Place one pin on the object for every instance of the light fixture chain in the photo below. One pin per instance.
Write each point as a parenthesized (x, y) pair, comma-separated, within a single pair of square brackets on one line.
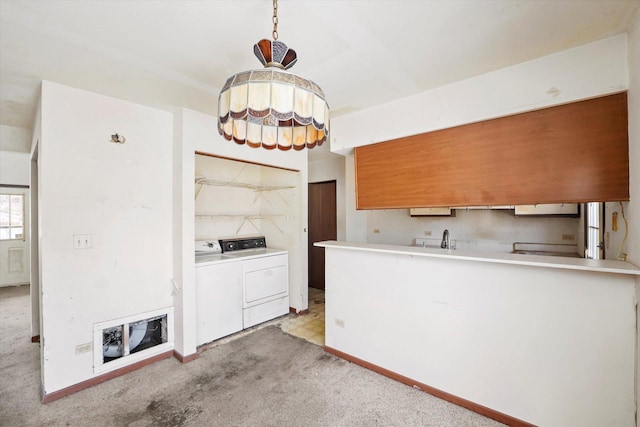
[(275, 19)]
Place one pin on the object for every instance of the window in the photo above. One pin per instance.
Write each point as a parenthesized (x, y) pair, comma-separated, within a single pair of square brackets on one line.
[(11, 216), (594, 230)]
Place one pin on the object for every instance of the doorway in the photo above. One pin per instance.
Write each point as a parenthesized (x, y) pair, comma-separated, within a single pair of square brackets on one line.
[(14, 242), (35, 285), (322, 226)]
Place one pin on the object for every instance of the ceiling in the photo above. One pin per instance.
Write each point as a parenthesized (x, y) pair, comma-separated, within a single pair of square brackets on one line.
[(178, 53)]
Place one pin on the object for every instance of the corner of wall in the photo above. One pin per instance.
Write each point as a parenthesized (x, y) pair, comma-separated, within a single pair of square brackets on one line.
[(120, 195), (356, 221), (184, 298), (633, 206)]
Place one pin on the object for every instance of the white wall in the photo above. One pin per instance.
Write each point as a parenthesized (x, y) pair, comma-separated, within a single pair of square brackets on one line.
[(356, 221), (14, 168), (615, 247), (223, 200), (333, 169), (223, 210), (486, 229), (633, 207), (34, 230), (120, 194), (586, 71), (553, 347), (15, 139), (184, 292), (198, 132)]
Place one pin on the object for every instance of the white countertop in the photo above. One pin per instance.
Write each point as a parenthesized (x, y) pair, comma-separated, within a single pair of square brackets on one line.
[(202, 260), (603, 266)]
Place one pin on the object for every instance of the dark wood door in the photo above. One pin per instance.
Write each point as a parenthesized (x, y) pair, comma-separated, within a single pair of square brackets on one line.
[(322, 226)]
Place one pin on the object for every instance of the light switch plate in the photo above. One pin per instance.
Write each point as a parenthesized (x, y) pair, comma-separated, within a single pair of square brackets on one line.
[(81, 241)]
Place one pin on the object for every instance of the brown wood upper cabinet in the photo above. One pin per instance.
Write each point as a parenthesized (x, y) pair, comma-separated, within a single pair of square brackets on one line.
[(577, 152)]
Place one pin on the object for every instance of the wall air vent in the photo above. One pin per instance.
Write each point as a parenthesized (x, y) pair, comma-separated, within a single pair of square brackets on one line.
[(120, 342)]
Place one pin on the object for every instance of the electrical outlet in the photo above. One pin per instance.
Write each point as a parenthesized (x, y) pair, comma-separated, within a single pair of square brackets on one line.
[(84, 348), (340, 323), (427, 233), (81, 241), (568, 237), (376, 231)]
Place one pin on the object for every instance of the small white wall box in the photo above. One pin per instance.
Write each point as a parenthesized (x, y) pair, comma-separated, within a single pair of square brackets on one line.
[(120, 342)]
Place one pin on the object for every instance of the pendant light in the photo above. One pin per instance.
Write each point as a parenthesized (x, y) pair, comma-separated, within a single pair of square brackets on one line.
[(273, 107)]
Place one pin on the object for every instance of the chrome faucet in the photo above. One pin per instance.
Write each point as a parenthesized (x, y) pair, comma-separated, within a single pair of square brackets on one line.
[(446, 243)]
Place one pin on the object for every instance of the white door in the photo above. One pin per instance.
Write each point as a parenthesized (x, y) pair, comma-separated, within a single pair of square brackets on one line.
[(14, 239)]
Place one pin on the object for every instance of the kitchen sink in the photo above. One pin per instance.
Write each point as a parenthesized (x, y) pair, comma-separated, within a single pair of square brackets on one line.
[(432, 243)]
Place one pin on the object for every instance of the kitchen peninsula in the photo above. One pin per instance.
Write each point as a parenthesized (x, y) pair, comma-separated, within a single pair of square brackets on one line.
[(520, 338)]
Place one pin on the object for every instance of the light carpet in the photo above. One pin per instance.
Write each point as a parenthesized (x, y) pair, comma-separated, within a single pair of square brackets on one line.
[(264, 378)]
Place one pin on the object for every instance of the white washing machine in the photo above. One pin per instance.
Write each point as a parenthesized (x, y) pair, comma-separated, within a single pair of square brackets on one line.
[(239, 283)]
